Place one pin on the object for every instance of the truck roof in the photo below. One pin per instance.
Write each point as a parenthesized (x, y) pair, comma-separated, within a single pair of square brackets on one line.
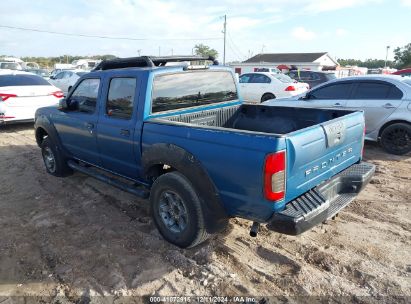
[(148, 62)]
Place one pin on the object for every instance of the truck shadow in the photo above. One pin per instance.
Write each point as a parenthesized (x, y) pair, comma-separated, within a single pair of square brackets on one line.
[(76, 232)]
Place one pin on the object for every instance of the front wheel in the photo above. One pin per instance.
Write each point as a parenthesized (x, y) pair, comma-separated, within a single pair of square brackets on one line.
[(53, 159), (396, 138), (177, 210)]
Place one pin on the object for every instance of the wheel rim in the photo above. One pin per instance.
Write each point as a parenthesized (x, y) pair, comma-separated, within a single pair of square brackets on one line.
[(398, 139), (49, 159), (173, 211)]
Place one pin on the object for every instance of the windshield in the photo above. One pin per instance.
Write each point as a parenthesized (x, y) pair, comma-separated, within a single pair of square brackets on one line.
[(21, 80), (190, 89), (283, 78)]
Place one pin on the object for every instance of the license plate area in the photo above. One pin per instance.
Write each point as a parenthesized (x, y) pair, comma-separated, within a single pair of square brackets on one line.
[(334, 133)]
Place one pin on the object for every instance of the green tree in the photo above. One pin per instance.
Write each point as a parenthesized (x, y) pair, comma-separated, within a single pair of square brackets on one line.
[(403, 56), (204, 50)]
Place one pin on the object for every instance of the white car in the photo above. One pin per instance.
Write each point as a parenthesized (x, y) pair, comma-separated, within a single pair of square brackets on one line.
[(22, 93), (66, 79), (261, 86)]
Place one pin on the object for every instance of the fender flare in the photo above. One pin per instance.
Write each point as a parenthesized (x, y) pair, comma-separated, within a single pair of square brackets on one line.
[(188, 165), (44, 123)]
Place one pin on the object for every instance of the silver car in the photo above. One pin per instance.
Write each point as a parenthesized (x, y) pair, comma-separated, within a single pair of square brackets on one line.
[(386, 100)]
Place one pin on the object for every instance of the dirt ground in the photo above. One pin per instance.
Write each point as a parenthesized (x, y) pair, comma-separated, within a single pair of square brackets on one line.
[(76, 239)]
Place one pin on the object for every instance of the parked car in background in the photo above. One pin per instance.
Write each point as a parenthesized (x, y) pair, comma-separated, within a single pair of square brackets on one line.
[(10, 65), (40, 72), (22, 93), (261, 86), (64, 80), (403, 72), (385, 99), (313, 78)]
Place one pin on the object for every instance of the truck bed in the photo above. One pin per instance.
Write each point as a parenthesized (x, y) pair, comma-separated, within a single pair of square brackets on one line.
[(259, 118), (319, 142)]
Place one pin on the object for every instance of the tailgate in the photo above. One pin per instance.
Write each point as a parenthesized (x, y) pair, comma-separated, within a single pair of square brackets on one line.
[(317, 153)]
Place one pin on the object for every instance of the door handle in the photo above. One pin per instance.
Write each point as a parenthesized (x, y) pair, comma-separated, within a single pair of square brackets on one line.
[(338, 104), (89, 125), (125, 132), (388, 106)]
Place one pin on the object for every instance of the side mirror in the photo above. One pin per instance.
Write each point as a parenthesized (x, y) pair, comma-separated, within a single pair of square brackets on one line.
[(63, 105), (52, 77), (308, 96)]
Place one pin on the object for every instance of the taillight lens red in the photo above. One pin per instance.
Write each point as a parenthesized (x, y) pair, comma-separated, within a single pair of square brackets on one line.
[(274, 176), (58, 94), (4, 96), (290, 88)]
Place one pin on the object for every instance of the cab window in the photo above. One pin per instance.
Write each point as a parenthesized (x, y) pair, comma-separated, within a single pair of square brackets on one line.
[(120, 100), (84, 97)]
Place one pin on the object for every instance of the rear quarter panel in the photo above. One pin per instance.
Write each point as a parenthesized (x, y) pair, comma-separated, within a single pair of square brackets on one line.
[(233, 160)]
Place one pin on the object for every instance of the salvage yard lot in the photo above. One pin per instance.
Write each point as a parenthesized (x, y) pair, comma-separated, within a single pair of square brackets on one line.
[(77, 237)]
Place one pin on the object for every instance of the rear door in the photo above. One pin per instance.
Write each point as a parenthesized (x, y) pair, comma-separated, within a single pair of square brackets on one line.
[(378, 99), (116, 125), (77, 126), (334, 95)]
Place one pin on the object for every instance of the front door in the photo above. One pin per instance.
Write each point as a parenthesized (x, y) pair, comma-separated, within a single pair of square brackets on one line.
[(77, 126), (116, 128), (330, 96)]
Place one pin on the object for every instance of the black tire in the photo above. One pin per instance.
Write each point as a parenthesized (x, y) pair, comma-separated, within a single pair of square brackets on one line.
[(267, 96), (396, 138), (53, 159), (184, 225)]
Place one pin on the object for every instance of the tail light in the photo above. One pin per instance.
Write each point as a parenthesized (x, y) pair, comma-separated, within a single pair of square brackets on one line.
[(58, 94), (4, 96), (274, 176), (290, 88)]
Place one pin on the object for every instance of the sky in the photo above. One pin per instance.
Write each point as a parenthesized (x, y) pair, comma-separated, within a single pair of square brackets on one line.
[(359, 29)]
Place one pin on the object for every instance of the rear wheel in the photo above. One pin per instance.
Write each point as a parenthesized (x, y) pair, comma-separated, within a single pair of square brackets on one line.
[(177, 210), (267, 96), (53, 159), (396, 138)]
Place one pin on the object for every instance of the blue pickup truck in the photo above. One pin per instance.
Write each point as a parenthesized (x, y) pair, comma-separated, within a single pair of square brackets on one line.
[(180, 136)]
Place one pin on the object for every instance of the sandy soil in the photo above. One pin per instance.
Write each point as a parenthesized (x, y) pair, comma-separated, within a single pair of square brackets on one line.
[(75, 239)]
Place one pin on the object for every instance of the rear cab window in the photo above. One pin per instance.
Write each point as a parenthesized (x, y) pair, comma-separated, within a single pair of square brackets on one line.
[(191, 89)]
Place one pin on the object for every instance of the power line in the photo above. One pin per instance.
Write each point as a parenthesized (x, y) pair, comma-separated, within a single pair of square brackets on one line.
[(101, 37), (235, 46)]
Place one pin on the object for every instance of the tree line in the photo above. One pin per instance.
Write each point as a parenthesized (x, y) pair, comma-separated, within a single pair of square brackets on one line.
[(402, 58)]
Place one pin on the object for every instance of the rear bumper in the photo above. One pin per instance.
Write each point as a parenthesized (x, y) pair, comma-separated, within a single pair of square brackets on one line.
[(322, 202)]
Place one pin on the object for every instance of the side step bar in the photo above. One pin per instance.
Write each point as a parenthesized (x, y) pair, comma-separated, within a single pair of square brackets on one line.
[(143, 193)]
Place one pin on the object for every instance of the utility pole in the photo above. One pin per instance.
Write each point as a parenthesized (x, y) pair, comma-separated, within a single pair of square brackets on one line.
[(386, 57), (225, 33), (159, 51), (172, 52), (139, 52)]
